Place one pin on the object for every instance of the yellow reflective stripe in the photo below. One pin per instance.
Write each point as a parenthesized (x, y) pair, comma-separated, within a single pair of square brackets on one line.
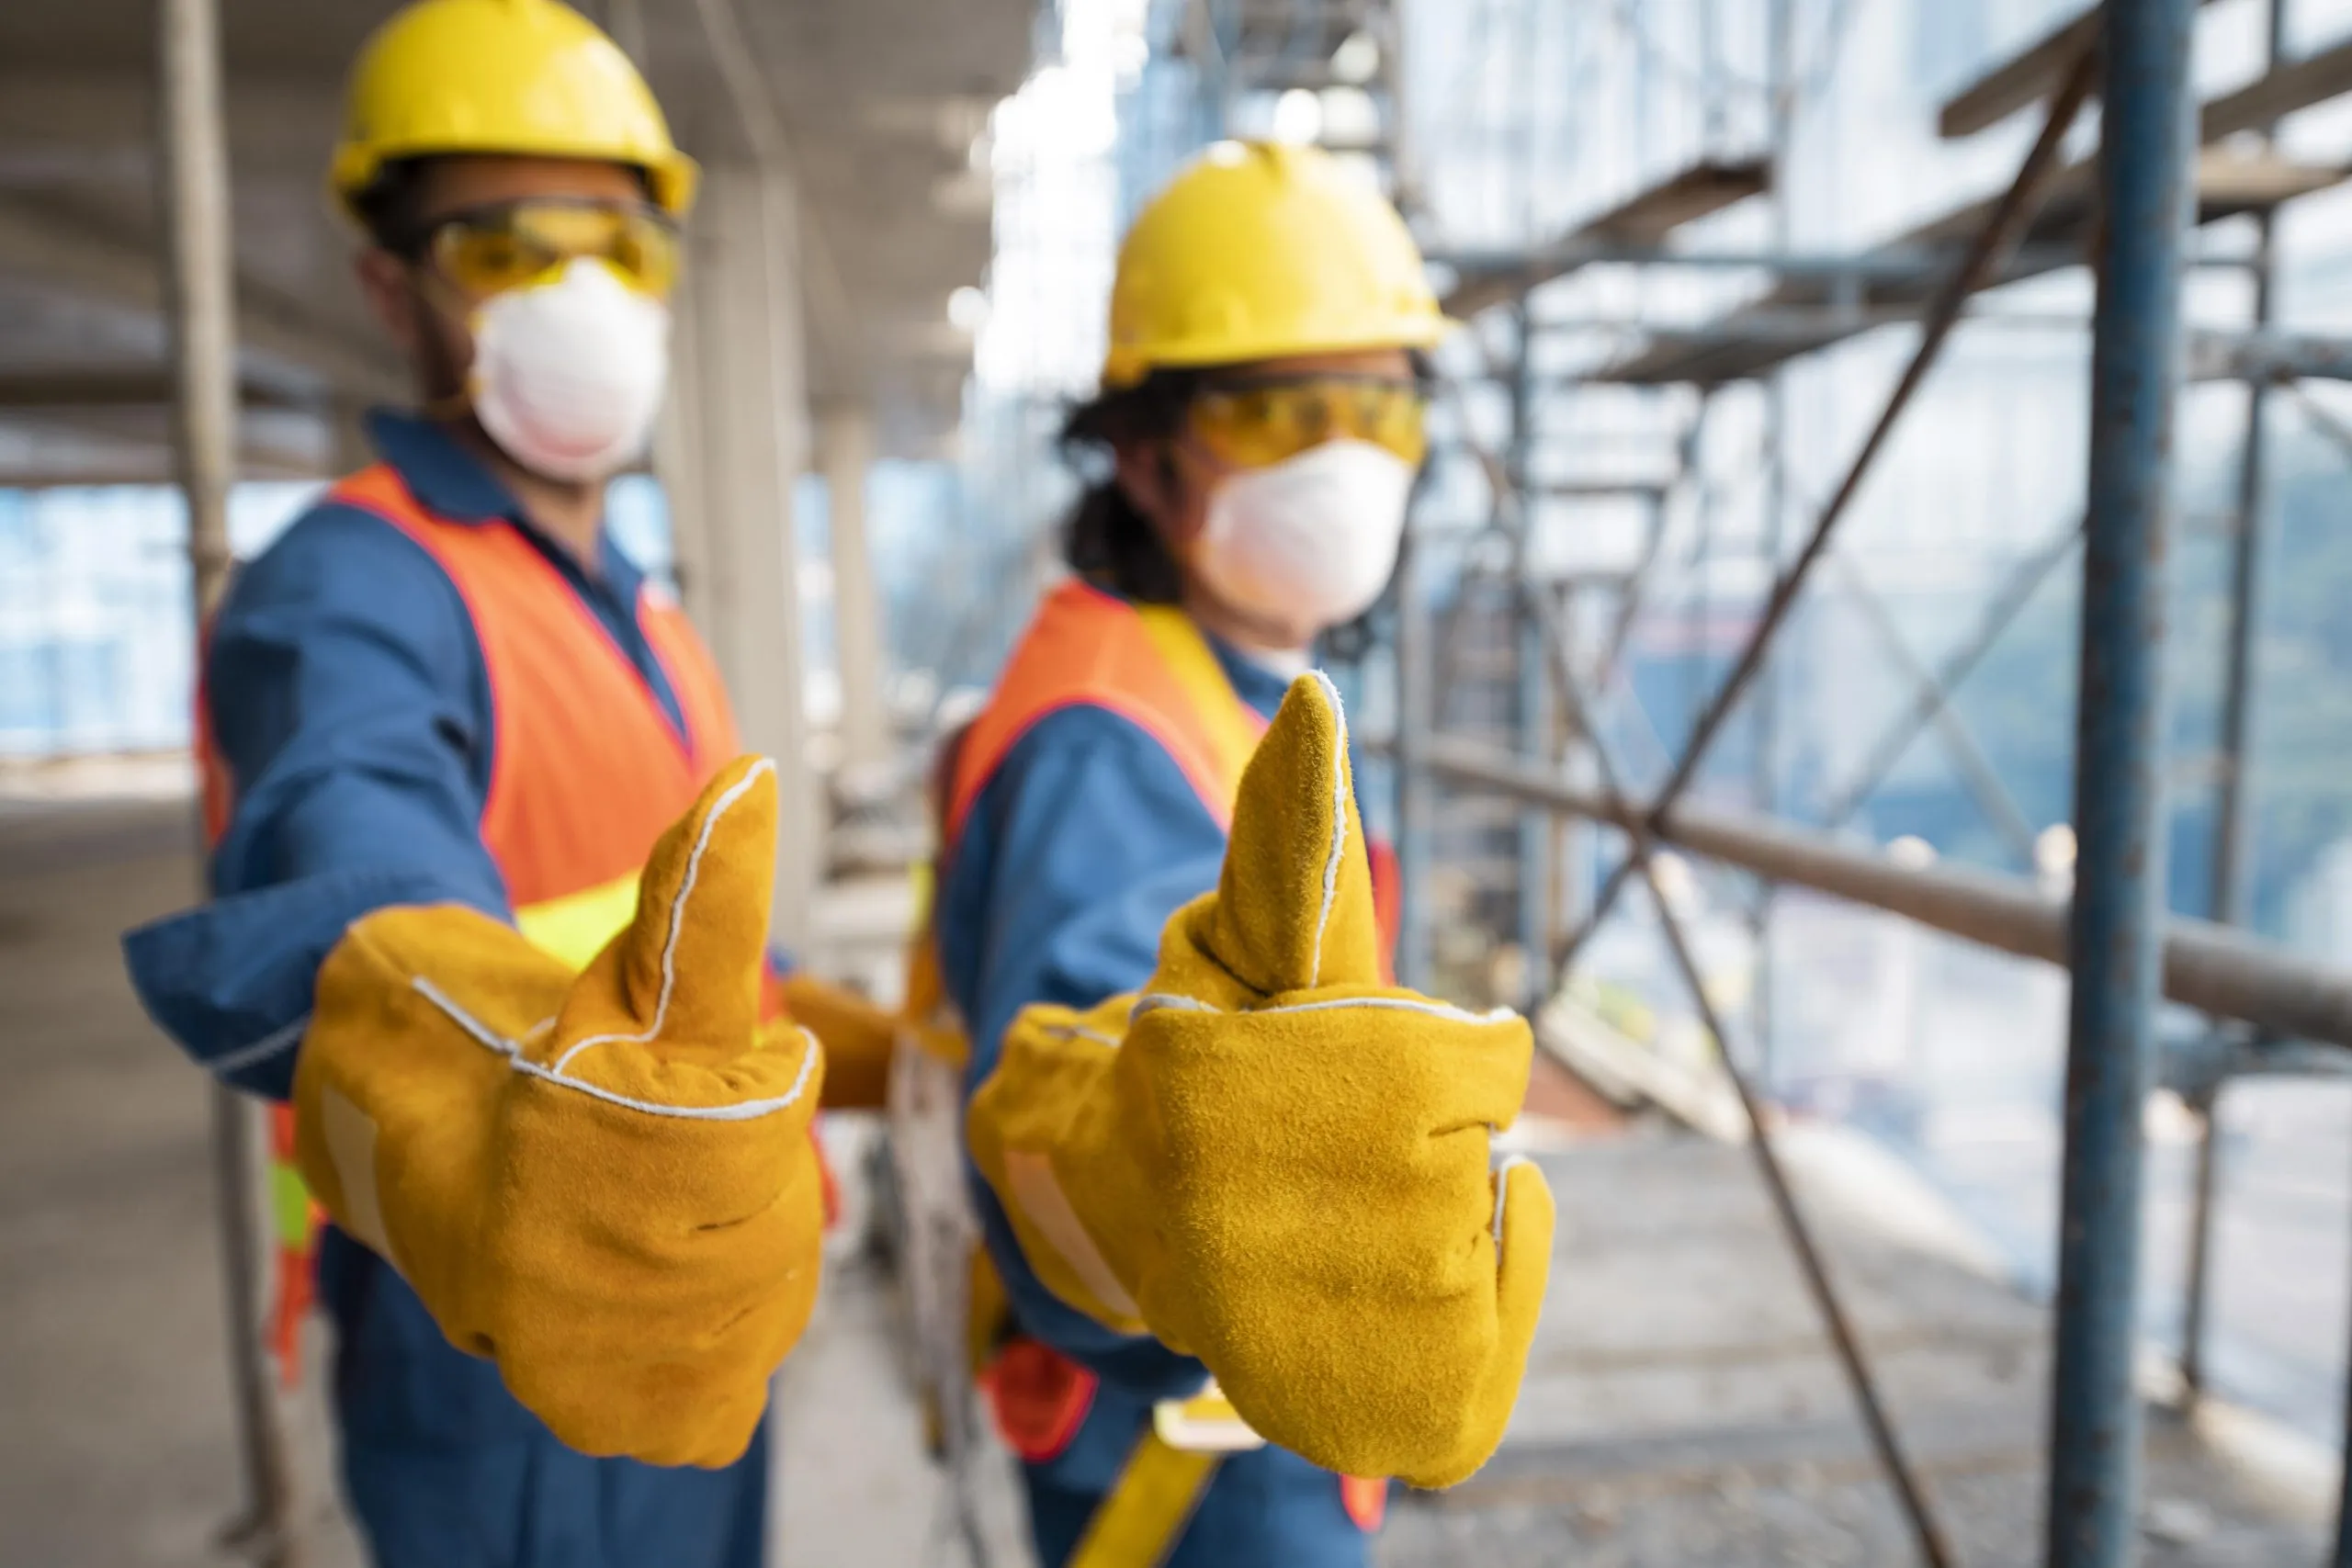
[(289, 1205), (576, 927), (1232, 728), (1149, 1508)]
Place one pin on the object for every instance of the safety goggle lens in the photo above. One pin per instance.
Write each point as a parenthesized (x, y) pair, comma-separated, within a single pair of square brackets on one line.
[(1256, 426), (496, 249)]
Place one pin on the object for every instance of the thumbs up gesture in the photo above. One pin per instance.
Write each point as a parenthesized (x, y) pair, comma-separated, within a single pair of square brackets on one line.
[(1275, 1163), (602, 1182)]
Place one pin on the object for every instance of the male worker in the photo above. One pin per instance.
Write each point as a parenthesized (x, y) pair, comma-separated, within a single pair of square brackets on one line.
[(445, 715)]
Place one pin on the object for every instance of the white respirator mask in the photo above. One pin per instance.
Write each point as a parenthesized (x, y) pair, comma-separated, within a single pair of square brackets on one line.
[(1312, 539), (568, 374)]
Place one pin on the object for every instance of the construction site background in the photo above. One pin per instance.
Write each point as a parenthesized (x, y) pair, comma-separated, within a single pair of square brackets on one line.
[(1693, 241)]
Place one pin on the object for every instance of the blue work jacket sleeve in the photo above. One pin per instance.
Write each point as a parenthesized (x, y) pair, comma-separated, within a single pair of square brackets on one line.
[(1084, 842), (350, 705)]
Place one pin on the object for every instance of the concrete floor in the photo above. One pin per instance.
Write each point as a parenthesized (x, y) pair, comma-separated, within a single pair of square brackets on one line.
[(117, 1449), (1680, 1409), (1682, 1405)]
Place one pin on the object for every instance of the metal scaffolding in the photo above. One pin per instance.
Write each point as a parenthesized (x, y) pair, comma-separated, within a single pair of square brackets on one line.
[(2161, 174)]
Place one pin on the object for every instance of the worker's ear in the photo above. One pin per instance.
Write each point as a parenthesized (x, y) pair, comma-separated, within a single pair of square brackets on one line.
[(391, 298), (1159, 483), (1142, 470)]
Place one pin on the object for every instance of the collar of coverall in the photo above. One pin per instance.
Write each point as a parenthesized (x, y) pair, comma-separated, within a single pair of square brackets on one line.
[(445, 478), (452, 483)]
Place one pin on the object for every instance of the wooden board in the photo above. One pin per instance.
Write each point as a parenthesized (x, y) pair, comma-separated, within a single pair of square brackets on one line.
[(2229, 183), (1644, 218)]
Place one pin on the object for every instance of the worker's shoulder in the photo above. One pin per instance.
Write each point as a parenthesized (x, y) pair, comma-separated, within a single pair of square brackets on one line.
[(342, 558), (339, 576), (1100, 750)]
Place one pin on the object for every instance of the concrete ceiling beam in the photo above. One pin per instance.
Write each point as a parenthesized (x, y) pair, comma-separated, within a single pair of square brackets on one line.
[(71, 255)]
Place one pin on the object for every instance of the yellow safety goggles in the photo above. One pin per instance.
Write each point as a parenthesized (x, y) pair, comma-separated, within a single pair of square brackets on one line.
[(491, 250), (1256, 424)]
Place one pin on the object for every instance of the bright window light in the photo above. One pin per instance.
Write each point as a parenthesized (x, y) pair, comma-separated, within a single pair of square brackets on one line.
[(1298, 116), (968, 309), (1358, 60)]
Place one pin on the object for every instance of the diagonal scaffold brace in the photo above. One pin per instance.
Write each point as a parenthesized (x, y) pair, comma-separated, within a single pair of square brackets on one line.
[(1927, 1532), (1988, 252)]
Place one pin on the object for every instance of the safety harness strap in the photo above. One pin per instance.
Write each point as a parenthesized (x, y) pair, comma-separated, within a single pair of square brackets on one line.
[(1147, 1511)]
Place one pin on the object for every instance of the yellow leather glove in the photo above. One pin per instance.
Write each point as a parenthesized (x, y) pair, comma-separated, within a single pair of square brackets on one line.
[(1274, 1163), (858, 1037), (603, 1183)]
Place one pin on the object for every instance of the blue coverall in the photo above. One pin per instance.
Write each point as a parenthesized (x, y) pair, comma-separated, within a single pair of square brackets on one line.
[(1082, 843), (350, 701)]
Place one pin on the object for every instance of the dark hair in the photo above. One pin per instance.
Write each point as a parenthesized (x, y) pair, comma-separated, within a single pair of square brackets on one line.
[(1108, 540), (391, 210)]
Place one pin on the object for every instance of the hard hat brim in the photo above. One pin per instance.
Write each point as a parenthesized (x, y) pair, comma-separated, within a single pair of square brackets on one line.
[(1126, 367), (672, 177)]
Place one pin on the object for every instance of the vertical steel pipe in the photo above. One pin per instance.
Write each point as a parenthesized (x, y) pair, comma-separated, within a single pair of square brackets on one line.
[(2197, 1295), (2119, 909), (2234, 803), (1415, 813), (2342, 1556), (1532, 698), (192, 158), (1765, 784)]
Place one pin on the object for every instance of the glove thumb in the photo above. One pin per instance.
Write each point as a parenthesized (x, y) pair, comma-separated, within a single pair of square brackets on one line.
[(1523, 1222), (1294, 908), (686, 970)]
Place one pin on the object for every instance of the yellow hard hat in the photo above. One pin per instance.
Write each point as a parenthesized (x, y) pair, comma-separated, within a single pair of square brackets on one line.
[(526, 76), (1256, 250)]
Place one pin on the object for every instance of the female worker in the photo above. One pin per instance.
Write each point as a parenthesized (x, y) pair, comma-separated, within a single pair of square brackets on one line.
[(1262, 418)]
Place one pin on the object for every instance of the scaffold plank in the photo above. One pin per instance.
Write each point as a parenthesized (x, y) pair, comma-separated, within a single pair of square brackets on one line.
[(1760, 337), (1646, 218), (2298, 85), (2028, 76), (2022, 79)]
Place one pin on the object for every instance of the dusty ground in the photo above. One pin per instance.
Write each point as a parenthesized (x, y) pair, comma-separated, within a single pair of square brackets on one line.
[(1683, 1407)]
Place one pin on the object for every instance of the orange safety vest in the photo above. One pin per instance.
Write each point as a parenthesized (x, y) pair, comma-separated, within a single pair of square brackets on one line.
[(1150, 665), (587, 770)]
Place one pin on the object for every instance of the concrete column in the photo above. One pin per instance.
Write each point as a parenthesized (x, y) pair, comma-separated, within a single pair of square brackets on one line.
[(845, 453), (678, 461), (200, 316), (742, 432)]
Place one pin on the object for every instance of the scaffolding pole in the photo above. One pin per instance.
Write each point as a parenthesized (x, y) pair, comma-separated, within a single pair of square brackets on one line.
[(193, 158), (2117, 928), (2233, 809)]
